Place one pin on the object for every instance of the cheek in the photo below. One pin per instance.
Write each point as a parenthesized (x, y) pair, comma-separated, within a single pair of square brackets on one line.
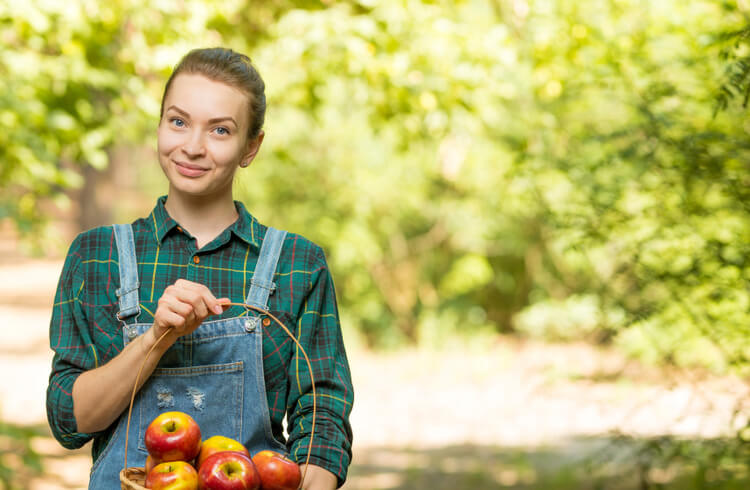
[(227, 154), (166, 141)]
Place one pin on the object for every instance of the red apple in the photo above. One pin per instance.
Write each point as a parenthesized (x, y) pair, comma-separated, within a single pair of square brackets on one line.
[(173, 475), (277, 472), (173, 436), (228, 470), (218, 444)]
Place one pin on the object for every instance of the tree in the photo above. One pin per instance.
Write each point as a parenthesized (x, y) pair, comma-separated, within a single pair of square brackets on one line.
[(80, 79)]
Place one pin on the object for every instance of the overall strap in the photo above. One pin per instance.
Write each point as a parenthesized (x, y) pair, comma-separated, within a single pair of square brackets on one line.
[(128, 291), (262, 285)]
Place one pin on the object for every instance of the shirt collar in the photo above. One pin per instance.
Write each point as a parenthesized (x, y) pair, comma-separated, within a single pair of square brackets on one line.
[(246, 227), (161, 220)]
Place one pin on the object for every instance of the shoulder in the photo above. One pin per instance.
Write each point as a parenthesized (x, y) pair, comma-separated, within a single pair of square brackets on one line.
[(91, 243), (298, 249), (87, 251), (97, 247)]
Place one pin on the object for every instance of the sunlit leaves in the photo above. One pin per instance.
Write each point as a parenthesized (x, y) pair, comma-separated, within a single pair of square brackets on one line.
[(462, 163)]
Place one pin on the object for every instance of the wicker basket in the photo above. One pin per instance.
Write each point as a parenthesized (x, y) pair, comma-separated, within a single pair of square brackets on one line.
[(133, 479)]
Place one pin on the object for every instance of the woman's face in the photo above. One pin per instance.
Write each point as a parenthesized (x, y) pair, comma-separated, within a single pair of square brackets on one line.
[(202, 136)]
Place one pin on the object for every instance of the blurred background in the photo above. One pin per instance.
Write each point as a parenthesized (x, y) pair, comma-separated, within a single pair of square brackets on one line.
[(536, 213)]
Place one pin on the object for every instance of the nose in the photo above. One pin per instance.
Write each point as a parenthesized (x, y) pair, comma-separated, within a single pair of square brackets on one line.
[(193, 146)]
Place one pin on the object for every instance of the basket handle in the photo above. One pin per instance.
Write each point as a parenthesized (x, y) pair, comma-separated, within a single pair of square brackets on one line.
[(286, 330)]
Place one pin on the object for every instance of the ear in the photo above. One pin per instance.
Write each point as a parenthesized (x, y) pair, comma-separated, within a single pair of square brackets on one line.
[(253, 145)]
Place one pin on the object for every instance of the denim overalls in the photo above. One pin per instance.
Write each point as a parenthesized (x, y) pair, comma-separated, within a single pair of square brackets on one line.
[(215, 374)]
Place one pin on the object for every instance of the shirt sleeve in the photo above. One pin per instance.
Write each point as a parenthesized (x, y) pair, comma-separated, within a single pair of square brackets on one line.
[(73, 350), (319, 333)]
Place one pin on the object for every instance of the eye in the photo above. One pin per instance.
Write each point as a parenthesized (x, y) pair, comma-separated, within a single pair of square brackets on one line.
[(176, 121), (222, 131)]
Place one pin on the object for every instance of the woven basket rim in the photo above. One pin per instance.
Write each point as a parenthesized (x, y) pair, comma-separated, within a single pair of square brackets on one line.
[(128, 474)]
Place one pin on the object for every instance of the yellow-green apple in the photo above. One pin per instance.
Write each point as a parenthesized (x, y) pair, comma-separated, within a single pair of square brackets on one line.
[(216, 444), (228, 470), (172, 475), (277, 472), (173, 436)]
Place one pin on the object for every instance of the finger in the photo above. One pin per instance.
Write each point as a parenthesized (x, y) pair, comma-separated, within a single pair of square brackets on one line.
[(189, 295), (176, 305), (198, 301), (224, 304), (169, 319), (206, 298)]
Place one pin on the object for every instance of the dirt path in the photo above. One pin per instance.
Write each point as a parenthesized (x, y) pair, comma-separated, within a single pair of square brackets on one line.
[(461, 413)]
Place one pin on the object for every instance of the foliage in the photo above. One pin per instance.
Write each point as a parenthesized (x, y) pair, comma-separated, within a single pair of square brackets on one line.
[(672, 462), (526, 154), (734, 42), (559, 169), (79, 77), (543, 166), (18, 460), (644, 198)]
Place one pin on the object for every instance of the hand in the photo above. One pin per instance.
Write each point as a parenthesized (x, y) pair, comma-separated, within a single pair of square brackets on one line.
[(318, 478), (183, 307)]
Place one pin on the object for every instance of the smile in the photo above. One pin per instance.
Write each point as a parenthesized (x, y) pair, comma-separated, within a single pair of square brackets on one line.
[(190, 170)]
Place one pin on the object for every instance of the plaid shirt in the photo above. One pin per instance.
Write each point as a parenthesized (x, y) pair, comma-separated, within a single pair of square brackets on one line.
[(84, 333)]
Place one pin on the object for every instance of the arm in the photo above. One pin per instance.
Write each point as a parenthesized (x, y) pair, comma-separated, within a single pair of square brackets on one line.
[(318, 478), (102, 394), (319, 332), (84, 398), (71, 341)]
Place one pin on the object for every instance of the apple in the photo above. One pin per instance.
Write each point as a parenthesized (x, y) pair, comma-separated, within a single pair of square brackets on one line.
[(277, 472), (150, 463), (228, 470), (172, 475), (216, 444), (173, 436)]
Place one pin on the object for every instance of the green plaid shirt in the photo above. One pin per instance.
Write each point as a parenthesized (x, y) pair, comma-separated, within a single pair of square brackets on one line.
[(84, 333)]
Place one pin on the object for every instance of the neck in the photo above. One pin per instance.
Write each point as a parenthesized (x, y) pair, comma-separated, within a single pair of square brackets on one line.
[(203, 217)]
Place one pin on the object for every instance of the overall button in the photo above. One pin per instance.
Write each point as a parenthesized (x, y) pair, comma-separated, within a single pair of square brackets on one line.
[(250, 324), (132, 333)]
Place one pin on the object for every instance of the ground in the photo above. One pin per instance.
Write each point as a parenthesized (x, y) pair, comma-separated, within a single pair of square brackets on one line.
[(507, 414)]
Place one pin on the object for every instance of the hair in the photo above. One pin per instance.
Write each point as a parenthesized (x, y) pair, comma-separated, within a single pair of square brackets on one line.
[(232, 68)]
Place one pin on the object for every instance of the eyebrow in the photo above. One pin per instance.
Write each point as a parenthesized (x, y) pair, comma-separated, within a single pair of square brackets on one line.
[(211, 121)]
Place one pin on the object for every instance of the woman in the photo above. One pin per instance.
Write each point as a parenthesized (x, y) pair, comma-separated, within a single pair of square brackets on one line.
[(172, 273)]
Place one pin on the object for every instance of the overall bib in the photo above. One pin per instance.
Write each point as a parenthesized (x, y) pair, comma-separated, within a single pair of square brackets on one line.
[(215, 374)]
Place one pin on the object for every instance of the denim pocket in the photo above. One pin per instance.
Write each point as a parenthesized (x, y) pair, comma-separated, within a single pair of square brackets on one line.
[(211, 394)]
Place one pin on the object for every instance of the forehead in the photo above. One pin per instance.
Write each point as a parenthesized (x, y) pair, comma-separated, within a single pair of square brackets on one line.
[(204, 98)]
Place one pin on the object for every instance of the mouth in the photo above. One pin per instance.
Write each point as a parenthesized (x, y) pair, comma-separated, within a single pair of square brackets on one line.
[(189, 169)]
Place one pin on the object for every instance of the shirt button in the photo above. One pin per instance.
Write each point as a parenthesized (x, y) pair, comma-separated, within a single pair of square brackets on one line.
[(266, 321), (196, 259), (179, 229)]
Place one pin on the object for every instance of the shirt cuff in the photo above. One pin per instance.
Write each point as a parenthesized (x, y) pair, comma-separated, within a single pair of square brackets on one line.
[(325, 454)]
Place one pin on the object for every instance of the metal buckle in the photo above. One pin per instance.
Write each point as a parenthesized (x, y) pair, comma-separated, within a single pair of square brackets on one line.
[(265, 285), (251, 323)]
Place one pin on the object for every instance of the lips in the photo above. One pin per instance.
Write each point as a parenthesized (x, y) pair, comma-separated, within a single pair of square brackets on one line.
[(189, 169)]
